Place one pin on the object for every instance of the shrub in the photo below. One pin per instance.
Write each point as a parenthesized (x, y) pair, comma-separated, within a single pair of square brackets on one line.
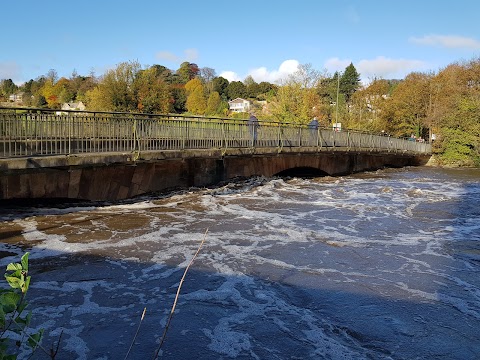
[(14, 319)]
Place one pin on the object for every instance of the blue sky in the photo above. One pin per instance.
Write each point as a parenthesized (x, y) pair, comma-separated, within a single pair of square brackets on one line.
[(265, 39)]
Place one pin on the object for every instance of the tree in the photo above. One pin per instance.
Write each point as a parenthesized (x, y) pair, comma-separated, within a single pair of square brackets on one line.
[(349, 82), (163, 73), (220, 85), (367, 105), (116, 90), (79, 85), (52, 75), (153, 93), (187, 71), (305, 75), (236, 89), (297, 99), (207, 75), (32, 95), (196, 102), (215, 105), (48, 91), (266, 90), (252, 87), (294, 104), (7, 87), (410, 101), (454, 112), (179, 98)]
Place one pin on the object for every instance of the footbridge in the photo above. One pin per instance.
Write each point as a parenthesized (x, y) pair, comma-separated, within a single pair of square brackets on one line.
[(113, 156)]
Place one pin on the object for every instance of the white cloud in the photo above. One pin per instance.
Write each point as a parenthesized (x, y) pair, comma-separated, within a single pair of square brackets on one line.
[(380, 67), (448, 41), (230, 76), (386, 68), (189, 55), (263, 74)]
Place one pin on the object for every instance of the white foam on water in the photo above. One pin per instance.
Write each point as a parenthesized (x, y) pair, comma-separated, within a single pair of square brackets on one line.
[(228, 339), (279, 224)]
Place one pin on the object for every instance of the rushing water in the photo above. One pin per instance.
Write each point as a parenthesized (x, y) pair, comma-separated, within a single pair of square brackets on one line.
[(381, 265)]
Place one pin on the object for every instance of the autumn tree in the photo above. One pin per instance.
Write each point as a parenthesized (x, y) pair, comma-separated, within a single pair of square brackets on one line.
[(366, 106), (196, 102), (78, 86), (152, 92), (116, 90), (410, 101), (51, 94), (163, 73), (187, 71), (296, 99), (455, 113), (216, 106)]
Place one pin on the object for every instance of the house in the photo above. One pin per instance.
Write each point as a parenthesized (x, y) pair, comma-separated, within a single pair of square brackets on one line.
[(17, 98), (73, 106), (239, 105)]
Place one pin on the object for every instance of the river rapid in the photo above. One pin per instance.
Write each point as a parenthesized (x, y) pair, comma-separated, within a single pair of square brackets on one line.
[(378, 265)]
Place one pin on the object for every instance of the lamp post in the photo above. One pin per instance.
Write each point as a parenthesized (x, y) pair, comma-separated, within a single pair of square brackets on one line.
[(338, 90)]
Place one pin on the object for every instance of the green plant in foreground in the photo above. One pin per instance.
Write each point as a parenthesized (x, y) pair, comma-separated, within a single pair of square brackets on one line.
[(14, 320)]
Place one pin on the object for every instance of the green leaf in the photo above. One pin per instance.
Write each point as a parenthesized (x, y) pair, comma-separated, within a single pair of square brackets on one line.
[(26, 285), (25, 261), (25, 320), (9, 302), (14, 267), (22, 322), (14, 282), (34, 340)]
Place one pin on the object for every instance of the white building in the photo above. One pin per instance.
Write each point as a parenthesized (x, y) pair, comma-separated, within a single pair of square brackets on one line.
[(239, 105), (18, 98)]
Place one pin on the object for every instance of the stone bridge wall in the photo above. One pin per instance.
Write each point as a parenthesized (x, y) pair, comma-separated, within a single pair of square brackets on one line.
[(121, 176)]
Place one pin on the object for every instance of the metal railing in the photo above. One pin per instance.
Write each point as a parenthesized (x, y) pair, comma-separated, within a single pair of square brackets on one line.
[(35, 132)]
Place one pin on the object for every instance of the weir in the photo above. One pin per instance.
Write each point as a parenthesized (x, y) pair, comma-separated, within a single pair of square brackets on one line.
[(114, 156)]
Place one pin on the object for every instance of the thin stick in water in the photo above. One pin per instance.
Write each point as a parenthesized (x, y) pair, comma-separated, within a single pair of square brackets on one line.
[(176, 297)]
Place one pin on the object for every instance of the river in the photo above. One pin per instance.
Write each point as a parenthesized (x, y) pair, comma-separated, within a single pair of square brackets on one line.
[(378, 265)]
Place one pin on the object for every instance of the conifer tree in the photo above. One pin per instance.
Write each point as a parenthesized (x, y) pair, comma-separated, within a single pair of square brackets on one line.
[(349, 82)]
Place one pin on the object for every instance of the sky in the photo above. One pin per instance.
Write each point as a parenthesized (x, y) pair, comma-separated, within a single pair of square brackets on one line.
[(265, 39)]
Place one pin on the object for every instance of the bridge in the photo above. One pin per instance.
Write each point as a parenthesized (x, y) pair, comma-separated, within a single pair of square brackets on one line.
[(113, 156)]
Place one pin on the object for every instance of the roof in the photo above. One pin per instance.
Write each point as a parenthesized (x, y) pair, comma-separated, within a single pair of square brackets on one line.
[(238, 100)]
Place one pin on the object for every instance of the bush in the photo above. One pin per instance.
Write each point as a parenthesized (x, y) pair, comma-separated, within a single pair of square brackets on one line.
[(14, 320)]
